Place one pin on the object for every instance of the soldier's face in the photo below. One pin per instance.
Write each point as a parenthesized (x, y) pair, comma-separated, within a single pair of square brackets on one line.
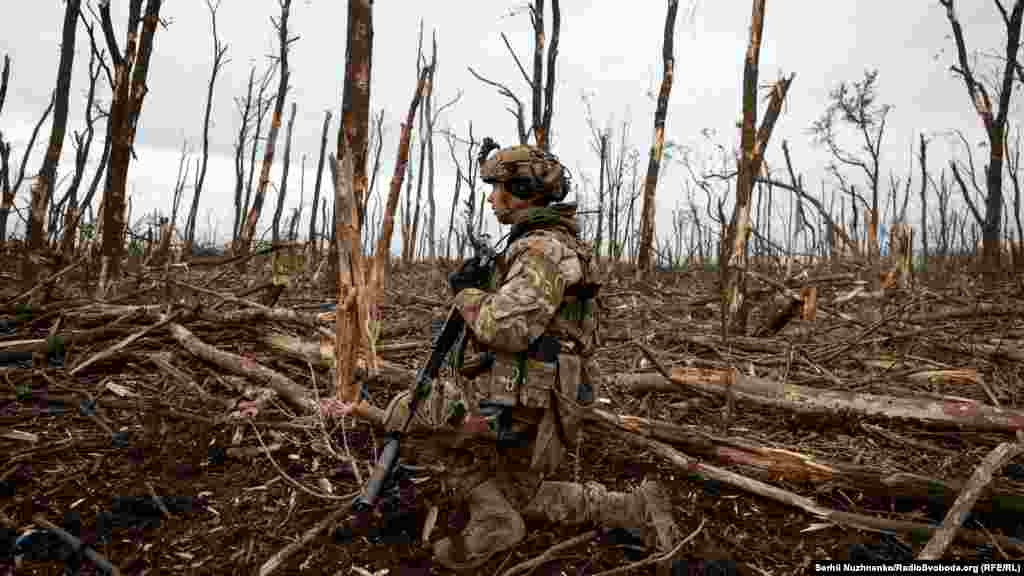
[(503, 203)]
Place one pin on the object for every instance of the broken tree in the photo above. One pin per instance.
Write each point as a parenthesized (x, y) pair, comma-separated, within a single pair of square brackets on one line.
[(733, 258), (130, 70), (644, 260), (42, 188)]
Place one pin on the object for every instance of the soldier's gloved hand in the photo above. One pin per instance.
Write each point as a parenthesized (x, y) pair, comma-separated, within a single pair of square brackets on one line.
[(471, 275)]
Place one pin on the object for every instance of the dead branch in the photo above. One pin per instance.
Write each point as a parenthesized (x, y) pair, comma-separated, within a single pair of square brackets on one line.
[(219, 51), (284, 42), (802, 399), (289, 390), (943, 536), (104, 354)]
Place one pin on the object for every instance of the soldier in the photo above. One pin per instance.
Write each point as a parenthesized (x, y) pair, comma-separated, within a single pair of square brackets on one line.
[(534, 323)]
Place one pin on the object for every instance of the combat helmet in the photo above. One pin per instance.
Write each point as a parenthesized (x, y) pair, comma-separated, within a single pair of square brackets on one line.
[(526, 171)]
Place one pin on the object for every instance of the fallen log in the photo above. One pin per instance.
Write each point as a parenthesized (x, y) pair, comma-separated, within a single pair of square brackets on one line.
[(958, 412), (861, 521), (956, 515), (774, 464), (322, 354), (293, 393)]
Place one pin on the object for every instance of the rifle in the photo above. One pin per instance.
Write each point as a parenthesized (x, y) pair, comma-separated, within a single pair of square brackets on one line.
[(452, 332)]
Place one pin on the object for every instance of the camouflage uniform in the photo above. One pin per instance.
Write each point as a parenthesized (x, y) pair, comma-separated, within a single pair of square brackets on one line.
[(541, 288)]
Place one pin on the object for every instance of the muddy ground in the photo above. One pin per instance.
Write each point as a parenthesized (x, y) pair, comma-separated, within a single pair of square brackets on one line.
[(229, 512)]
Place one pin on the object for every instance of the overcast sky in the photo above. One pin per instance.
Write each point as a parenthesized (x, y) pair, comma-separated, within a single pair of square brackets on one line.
[(611, 50)]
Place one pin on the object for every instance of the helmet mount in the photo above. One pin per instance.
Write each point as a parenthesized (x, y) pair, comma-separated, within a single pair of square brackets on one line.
[(526, 171)]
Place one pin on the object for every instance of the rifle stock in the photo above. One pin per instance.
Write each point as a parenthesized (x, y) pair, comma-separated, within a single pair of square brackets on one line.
[(449, 335), (387, 462)]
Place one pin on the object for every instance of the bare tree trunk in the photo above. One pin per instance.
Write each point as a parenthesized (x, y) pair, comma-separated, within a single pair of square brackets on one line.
[(42, 189), (243, 133), (407, 214), (316, 186), (293, 226), (924, 201), (644, 260), (382, 253), (994, 122), (431, 204), (83, 144), (131, 69), (356, 306), (378, 142), (283, 190), (542, 113), (218, 60), (603, 161), (249, 228), (734, 247), (261, 111), (9, 190), (415, 225)]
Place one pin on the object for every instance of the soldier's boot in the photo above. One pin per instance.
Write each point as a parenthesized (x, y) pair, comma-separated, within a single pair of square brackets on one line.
[(494, 526), (645, 510)]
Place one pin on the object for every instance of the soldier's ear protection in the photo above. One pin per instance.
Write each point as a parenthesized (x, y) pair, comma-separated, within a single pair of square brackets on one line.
[(524, 188)]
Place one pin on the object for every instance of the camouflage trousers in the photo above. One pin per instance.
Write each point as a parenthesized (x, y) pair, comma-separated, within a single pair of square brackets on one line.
[(514, 471), (539, 398)]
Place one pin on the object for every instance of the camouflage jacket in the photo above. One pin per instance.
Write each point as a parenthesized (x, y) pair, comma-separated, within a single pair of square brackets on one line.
[(535, 282)]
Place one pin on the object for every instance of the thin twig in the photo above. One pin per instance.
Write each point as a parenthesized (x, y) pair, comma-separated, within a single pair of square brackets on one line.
[(291, 480), (655, 559), (278, 559), (159, 501), (550, 552), (123, 343)]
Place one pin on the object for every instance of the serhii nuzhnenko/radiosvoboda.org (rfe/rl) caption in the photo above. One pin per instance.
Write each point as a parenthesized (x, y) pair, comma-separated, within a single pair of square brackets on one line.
[(919, 567)]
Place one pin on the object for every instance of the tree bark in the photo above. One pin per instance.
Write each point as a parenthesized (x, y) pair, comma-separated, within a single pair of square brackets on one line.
[(382, 253), (354, 310), (803, 399), (283, 189), (131, 69), (647, 224), (956, 515), (249, 228), (42, 189), (733, 261), (431, 203), (316, 186)]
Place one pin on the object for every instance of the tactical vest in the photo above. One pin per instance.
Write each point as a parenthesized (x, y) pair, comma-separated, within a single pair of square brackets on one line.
[(554, 375)]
